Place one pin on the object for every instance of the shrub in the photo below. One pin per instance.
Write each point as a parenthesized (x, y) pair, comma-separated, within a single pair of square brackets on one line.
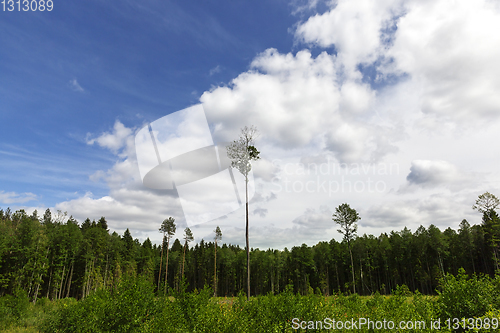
[(123, 310), (463, 297), (13, 308)]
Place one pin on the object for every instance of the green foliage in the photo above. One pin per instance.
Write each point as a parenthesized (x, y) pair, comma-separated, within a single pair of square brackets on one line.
[(486, 202), (482, 323), (464, 297), (133, 307), (168, 227), (346, 217), (46, 260), (242, 151), (122, 310), (13, 308)]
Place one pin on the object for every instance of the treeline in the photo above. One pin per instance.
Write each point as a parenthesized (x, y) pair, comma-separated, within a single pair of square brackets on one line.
[(56, 257)]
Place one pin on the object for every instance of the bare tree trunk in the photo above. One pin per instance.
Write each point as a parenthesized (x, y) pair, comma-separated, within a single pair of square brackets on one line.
[(166, 266), (278, 279), (50, 280), (327, 282), (272, 280), (361, 276), (70, 278), (215, 270), (61, 285), (472, 259), (84, 282), (87, 285), (248, 248), (183, 260), (352, 269), (38, 285), (36, 291), (161, 260), (441, 264), (31, 281), (106, 270), (337, 274), (89, 279), (496, 257)]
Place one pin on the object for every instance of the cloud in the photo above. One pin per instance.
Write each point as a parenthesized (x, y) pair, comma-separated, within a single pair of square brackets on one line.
[(262, 212), (12, 197), (354, 27), (391, 215), (261, 197), (347, 142), (264, 169), (303, 6), (280, 101), (97, 176), (442, 209), (311, 226), (128, 204), (115, 140), (307, 230), (298, 101), (314, 220), (136, 209), (433, 174), (448, 50), (451, 50), (394, 74), (75, 86), (214, 70)]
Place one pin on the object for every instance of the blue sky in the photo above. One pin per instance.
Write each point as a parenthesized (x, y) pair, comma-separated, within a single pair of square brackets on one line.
[(359, 83), (76, 69)]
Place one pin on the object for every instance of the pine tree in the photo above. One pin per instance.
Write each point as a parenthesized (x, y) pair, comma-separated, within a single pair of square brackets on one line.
[(188, 237), (168, 228), (347, 217), (241, 152), (218, 236)]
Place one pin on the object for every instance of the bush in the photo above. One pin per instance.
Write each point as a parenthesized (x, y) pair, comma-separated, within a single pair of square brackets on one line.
[(463, 297), (123, 310), (13, 308)]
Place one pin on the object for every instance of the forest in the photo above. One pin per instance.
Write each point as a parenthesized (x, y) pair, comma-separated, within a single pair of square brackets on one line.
[(51, 258), (56, 257)]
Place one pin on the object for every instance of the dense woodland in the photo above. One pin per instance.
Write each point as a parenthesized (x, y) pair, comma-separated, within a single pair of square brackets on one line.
[(57, 257)]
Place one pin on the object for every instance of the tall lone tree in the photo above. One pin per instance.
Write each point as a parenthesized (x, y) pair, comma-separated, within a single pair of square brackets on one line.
[(486, 204), (346, 217), (241, 152), (188, 237), (218, 236), (168, 229)]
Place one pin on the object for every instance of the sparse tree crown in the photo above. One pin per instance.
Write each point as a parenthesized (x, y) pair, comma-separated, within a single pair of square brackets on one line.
[(242, 151), (168, 227), (486, 202), (218, 234), (346, 217), (188, 235)]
